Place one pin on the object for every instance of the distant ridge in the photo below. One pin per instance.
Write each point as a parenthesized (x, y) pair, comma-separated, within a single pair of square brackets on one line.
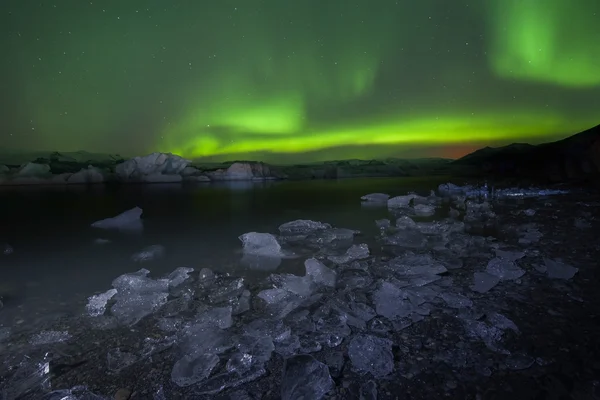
[(574, 157)]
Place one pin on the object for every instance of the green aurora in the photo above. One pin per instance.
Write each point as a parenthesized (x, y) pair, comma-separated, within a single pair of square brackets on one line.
[(291, 81)]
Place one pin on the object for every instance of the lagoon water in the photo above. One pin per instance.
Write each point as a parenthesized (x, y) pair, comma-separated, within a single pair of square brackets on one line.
[(58, 260)]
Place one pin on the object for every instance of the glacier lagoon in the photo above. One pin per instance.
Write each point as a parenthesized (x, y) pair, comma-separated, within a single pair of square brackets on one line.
[(372, 288)]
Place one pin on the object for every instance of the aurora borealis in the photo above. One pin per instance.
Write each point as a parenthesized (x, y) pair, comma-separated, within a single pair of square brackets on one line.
[(290, 81)]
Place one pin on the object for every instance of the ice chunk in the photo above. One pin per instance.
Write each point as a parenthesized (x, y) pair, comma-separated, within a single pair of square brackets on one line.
[(179, 276), (96, 305), (491, 331), (132, 307), (559, 270), (416, 265), (517, 362), (193, 368), (406, 237), (529, 212), (226, 291), (149, 253), (331, 236), (300, 285), (201, 338), (305, 378), (376, 197), (504, 269), (354, 279), (455, 300), (424, 210), (501, 322), (356, 252), (260, 244), (319, 273), (484, 282), (217, 316), (280, 301), (391, 302), (49, 337), (400, 201), (302, 227), (129, 220), (371, 354), (256, 350), (139, 282), (405, 222), (288, 347)]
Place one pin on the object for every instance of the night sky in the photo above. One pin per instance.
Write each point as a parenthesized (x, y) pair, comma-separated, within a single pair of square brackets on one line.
[(296, 80)]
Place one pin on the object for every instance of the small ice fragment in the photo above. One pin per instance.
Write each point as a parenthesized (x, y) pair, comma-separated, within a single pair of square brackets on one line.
[(96, 305), (319, 273), (193, 368), (405, 222), (179, 276), (302, 227), (529, 212), (149, 253), (454, 300), (371, 354), (7, 249), (376, 197), (127, 220), (101, 241), (356, 252), (260, 244), (400, 201), (504, 269), (517, 362), (559, 270), (383, 223), (49, 337), (510, 255), (305, 378), (424, 210), (243, 303), (484, 282)]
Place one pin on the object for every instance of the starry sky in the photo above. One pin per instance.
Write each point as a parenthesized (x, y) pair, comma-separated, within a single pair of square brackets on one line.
[(291, 81)]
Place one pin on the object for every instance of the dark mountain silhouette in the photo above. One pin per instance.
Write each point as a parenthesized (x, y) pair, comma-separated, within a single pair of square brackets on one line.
[(574, 158)]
